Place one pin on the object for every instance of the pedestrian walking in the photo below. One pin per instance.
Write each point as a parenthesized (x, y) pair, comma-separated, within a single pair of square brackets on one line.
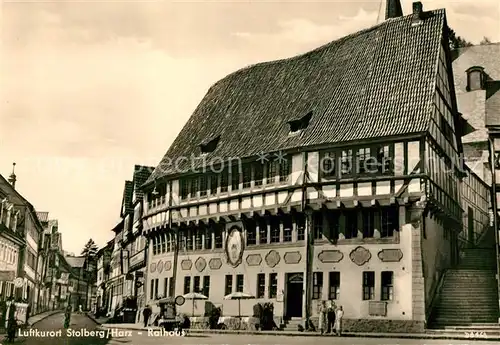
[(67, 316), (11, 323), (322, 316), (338, 320), (146, 313), (330, 315)]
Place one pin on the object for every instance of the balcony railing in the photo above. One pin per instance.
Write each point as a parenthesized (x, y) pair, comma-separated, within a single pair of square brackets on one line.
[(137, 259)]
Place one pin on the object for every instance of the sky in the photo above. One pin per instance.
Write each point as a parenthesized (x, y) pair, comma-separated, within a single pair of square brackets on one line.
[(90, 88)]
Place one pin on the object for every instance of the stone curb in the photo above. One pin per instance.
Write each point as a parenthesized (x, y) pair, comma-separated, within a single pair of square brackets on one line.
[(92, 318), (30, 324), (313, 334)]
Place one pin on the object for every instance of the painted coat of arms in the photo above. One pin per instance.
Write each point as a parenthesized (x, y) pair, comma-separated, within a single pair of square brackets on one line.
[(235, 246)]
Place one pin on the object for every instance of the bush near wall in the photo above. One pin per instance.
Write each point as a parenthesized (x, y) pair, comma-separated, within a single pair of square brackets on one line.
[(378, 325)]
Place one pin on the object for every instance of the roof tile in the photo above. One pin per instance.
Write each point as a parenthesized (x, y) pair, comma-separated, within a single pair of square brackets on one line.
[(141, 174), (375, 83)]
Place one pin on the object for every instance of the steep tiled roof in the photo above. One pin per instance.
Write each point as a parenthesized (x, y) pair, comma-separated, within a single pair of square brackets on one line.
[(127, 198), (493, 106), (472, 106), (75, 261), (375, 83), (7, 191), (43, 216), (141, 174), (488, 57), (12, 194)]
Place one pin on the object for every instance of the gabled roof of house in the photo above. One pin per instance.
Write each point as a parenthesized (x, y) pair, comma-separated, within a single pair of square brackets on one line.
[(481, 108), (141, 174), (12, 194), (75, 261), (108, 246), (6, 190), (375, 83), (128, 191)]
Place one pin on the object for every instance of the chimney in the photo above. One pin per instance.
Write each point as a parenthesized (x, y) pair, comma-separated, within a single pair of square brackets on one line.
[(417, 12), (12, 177), (393, 9)]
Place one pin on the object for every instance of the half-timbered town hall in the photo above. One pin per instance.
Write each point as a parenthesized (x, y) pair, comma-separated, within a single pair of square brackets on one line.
[(332, 175)]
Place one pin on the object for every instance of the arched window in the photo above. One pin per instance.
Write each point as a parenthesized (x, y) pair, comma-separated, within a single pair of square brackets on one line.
[(475, 78)]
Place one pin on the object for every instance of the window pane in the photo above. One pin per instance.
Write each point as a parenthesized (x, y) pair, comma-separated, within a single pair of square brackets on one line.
[(247, 175), (206, 286), (194, 187), (387, 286), (287, 229), (251, 232), (328, 165), (389, 221), (187, 285), (351, 224), (214, 183), (239, 283), (261, 285), (235, 178), (368, 222), (229, 285), (258, 171), (317, 285), (368, 285), (334, 286), (301, 235), (284, 170), (275, 230), (347, 162), (203, 185), (272, 171), (318, 225), (224, 180), (262, 232), (273, 285), (208, 238)]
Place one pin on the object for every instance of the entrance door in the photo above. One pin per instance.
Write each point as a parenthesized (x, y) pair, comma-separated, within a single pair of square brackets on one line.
[(294, 293)]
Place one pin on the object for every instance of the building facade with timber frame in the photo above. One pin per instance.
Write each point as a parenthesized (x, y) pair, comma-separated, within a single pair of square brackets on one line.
[(333, 175)]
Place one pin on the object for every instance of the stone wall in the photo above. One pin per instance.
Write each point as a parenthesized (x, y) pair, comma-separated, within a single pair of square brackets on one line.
[(379, 326)]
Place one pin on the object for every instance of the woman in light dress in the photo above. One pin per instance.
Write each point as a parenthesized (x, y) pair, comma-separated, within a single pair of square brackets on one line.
[(338, 320), (322, 316)]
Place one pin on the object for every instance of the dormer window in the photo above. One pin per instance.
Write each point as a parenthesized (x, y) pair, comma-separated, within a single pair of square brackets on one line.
[(475, 78), (299, 125), (209, 145)]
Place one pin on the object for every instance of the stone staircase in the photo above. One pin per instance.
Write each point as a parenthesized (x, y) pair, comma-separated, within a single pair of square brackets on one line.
[(469, 294), (292, 325)]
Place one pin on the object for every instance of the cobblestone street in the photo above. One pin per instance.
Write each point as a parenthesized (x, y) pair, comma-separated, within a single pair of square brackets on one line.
[(55, 323), (100, 336), (211, 339)]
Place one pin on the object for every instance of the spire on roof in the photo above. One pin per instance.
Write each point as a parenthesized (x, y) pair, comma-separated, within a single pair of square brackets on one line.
[(393, 9), (12, 177)]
